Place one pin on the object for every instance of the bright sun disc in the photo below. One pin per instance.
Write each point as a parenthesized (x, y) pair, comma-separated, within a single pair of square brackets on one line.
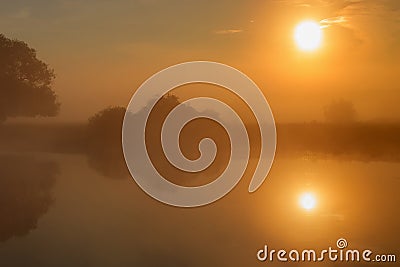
[(308, 35), (307, 201)]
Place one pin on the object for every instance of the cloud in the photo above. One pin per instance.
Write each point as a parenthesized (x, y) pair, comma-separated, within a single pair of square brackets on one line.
[(339, 19), (229, 31), (333, 20)]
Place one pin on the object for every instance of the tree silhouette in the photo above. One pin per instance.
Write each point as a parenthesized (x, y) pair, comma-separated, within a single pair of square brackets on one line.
[(25, 82), (104, 143), (104, 138), (340, 112)]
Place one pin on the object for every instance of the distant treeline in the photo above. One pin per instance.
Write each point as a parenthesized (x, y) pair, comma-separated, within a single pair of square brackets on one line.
[(358, 141), (53, 138)]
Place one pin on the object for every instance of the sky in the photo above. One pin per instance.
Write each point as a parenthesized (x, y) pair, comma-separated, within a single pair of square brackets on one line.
[(103, 50)]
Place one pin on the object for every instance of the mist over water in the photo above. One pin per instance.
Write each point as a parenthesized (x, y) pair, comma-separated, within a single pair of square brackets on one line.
[(89, 212)]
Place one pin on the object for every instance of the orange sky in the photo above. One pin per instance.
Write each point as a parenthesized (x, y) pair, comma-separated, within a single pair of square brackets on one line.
[(103, 50)]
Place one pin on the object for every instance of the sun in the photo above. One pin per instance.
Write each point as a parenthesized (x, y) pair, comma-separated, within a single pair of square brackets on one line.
[(308, 35), (308, 201)]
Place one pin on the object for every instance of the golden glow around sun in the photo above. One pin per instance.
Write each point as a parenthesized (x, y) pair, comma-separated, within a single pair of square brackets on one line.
[(308, 201), (308, 35)]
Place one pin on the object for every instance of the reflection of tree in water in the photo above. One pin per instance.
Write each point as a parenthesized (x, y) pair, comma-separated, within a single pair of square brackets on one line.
[(25, 193)]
